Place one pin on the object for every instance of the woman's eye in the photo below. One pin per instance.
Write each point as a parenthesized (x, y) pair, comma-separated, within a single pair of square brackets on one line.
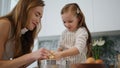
[(36, 15)]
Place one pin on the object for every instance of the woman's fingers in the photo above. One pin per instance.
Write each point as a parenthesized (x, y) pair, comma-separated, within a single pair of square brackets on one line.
[(44, 53)]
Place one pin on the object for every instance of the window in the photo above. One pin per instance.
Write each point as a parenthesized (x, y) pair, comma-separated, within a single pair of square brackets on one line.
[(6, 6), (13, 3)]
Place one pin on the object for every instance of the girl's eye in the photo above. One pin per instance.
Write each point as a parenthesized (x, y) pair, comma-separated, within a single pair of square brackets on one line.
[(63, 21)]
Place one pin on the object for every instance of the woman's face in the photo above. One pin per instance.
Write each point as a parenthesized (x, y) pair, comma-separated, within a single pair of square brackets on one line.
[(70, 21), (34, 17)]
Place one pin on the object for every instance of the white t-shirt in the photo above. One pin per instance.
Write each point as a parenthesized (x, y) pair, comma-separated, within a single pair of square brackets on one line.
[(75, 39)]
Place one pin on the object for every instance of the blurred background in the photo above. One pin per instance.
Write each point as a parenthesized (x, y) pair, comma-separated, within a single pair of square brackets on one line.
[(102, 18)]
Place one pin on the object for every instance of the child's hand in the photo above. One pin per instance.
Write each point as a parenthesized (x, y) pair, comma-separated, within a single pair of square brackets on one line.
[(51, 56), (60, 49), (55, 55), (58, 55)]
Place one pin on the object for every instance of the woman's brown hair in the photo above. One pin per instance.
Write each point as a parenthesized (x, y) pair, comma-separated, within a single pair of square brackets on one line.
[(18, 17), (75, 9)]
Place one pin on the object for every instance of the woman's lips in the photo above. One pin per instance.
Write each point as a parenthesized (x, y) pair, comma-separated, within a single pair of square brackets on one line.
[(35, 24)]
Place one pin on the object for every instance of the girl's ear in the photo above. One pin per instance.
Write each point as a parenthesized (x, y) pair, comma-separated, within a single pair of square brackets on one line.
[(79, 18)]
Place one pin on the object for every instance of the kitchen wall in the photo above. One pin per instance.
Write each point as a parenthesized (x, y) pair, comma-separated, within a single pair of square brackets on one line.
[(52, 23), (101, 15)]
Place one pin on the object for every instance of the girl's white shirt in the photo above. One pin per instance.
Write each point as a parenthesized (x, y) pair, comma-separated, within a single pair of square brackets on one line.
[(75, 39)]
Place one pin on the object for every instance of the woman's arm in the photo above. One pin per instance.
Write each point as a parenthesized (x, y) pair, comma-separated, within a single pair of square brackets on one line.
[(18, 62), (25, 59)]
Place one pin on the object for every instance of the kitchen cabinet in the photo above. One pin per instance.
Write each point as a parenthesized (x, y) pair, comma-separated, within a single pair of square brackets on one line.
[(106, 15), (100, 15), (52, 22)]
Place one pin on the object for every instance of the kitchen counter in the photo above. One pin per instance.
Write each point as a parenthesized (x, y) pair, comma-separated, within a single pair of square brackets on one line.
[(83, 66)]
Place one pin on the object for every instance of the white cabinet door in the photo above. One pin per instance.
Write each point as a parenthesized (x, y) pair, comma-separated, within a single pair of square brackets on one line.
[(106, 15), (52, 23)]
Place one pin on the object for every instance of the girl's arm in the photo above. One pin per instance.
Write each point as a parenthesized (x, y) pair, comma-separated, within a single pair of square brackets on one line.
[(59, 49), (79, 46), (69, 52)]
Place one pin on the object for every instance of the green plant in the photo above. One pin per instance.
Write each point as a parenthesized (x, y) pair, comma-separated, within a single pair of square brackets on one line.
[(97, 47)]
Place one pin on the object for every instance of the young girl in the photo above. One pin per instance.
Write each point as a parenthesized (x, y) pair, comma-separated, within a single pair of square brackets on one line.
[(75, 40), (18, 30)]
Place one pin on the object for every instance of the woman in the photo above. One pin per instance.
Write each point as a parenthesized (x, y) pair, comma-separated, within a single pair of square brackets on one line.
[(18, 30), (75, 40)]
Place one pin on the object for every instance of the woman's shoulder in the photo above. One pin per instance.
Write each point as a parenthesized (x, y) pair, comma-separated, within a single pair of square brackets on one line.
[(4, 24)]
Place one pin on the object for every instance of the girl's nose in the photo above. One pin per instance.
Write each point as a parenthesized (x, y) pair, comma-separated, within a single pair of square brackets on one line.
[(66, 24)]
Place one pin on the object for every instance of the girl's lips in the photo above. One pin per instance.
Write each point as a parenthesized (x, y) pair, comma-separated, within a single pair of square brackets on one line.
[(69, 28)]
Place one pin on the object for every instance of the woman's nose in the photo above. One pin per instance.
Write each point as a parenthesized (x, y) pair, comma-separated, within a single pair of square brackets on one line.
[(38, 20)]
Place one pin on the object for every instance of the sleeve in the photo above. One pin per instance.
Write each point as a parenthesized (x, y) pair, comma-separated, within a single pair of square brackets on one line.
[(81, 39)]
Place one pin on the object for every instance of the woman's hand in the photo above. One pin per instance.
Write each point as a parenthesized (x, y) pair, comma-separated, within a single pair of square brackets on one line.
[(42, 53)]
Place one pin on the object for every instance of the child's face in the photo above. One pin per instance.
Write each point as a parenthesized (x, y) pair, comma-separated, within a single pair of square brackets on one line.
[(70, 21), (34, 17)]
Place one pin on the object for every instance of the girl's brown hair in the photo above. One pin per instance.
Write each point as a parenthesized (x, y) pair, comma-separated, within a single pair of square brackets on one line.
[(18, 17), (75, 9)]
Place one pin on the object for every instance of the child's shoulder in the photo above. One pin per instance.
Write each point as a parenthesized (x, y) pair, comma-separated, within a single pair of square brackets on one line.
[(65, 31), (81, 29)]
